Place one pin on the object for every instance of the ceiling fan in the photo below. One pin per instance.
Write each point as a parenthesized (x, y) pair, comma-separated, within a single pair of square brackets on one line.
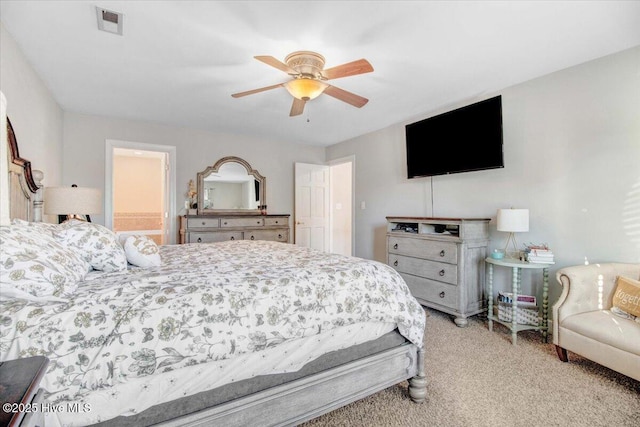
[(309, 79)]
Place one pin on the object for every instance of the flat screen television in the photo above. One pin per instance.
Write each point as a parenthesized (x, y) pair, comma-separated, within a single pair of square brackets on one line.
[(463, 140)]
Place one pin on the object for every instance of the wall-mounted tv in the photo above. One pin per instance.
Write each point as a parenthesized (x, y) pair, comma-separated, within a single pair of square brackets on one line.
[(463, 140)]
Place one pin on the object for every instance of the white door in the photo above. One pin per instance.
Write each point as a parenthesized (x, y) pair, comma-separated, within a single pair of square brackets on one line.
[(311, 214)]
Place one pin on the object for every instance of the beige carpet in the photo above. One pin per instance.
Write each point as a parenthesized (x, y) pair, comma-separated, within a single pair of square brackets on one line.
[(477, 378)]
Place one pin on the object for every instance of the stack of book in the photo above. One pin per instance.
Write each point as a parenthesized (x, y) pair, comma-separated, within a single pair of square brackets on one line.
[(526, 310), (538, 254), (523, 300)]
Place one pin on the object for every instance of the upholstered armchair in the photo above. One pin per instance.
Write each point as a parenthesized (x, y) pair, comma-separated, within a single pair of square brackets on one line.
[(583, 322)]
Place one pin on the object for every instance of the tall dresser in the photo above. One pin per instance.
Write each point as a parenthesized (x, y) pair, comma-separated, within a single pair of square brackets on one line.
[(221, 227), (441, 259)]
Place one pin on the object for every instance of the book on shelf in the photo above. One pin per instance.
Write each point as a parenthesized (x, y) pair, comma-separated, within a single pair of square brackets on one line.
[(523, 300)]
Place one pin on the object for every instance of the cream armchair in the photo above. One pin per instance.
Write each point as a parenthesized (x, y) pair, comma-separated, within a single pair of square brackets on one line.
[(583, 323)]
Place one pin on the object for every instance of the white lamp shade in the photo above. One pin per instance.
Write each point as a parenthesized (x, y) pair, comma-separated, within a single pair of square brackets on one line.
[(72, 201), (513, 220)]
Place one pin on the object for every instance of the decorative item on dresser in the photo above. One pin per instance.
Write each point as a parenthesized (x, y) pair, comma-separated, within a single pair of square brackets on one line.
[(231, 186), (218, 228), (231, 204), (441, 261)]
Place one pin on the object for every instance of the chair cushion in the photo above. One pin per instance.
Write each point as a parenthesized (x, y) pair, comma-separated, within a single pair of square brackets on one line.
[(607, 328)]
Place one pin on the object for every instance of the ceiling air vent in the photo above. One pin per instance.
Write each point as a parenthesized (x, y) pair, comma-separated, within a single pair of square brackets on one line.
[(109, 20)]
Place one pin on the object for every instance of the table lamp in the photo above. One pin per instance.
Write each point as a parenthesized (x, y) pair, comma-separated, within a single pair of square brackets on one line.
[(72, 202), (513, 221)]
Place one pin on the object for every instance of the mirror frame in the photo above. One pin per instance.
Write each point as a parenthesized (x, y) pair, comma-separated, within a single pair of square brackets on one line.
[(215, 168)]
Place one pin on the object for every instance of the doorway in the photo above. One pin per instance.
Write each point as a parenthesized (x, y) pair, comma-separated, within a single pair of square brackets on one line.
[(342, 237), (140, 190), (324, 201)]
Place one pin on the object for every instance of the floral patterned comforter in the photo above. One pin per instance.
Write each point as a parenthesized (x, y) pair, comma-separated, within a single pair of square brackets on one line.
[(204, 303)]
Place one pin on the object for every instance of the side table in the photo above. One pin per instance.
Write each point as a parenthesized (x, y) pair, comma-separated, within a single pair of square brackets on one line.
[(20, 390), (516, 267)]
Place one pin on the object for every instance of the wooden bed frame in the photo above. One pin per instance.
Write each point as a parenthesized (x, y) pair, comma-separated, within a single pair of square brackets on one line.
[(288, 404)]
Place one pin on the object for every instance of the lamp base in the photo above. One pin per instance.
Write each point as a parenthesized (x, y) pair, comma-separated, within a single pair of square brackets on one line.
[(515, 253), (63, 218)]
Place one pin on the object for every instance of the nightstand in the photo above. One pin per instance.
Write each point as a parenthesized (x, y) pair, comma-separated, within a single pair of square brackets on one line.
[(516, 269), (20, 391)]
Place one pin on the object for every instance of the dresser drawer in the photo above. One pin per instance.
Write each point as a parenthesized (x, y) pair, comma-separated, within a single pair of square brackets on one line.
[(276, 221), (273, 235), (218, 236), (432, 291), (426, 249), (203, 223), (439, 271), (241, 222)]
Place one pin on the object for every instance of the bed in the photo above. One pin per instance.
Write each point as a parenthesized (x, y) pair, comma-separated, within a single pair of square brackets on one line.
[(233, 333)]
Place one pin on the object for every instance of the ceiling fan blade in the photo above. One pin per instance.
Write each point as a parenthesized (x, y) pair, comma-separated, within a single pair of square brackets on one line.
[(360, 66), (270, 60), (348, 97), (297, 107), (251, 92)]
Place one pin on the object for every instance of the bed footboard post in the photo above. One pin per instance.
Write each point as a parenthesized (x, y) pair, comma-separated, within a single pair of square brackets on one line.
[(418, 384)]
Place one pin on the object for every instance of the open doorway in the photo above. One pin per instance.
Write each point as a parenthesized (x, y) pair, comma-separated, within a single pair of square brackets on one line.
[(140, 190), (324, 200), (342, 202)]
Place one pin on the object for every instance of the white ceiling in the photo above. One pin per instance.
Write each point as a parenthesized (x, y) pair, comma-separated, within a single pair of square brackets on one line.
[(178, 62)]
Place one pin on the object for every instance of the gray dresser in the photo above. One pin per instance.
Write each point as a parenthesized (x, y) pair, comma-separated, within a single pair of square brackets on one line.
[(442, 261), (218, 228)]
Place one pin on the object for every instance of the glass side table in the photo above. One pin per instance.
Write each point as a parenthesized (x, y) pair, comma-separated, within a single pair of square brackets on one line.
[(516, 274)]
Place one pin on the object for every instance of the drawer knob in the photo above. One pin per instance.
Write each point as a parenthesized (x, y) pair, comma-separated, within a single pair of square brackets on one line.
[(442, 252), (276, 222), (279, 236), (204, 223), (253, 238), (199, 239), (232, 238), (442, 294), (225, 223), (395, 264), (257, 222), (441, 273), (395, 246)]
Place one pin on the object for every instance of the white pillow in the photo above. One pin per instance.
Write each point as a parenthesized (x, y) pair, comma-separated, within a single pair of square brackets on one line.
[(142, 251), (94, 243), (33, 263)]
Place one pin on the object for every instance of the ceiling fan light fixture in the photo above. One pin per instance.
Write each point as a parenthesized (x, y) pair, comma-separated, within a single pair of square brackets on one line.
[(305, 89)]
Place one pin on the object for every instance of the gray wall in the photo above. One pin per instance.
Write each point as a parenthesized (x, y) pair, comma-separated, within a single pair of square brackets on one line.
[(572, 157), (84, 154), (36, 117)]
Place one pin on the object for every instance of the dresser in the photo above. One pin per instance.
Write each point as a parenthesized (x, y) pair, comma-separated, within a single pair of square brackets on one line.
[(442, 261), (220, 227)]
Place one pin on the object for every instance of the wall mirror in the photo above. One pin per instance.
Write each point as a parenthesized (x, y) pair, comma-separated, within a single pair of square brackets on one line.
[(231, 185)]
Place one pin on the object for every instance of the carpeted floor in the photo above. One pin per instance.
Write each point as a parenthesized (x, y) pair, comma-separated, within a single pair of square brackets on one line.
[(477, 378)]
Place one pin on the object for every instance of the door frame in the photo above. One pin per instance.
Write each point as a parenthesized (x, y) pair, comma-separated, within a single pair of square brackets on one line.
[(170, 198)]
